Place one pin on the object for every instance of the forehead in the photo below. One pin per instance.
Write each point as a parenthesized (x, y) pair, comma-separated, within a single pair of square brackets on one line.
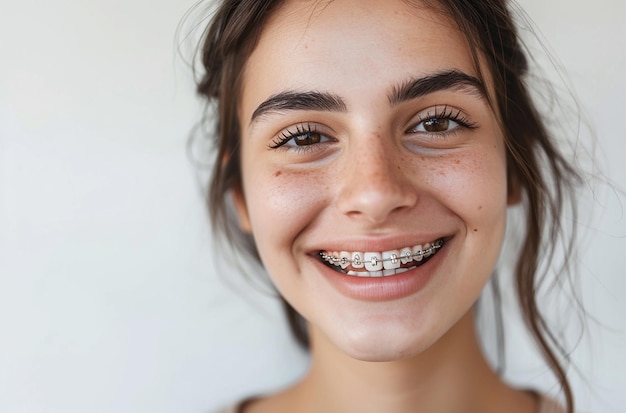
[(351, 47)]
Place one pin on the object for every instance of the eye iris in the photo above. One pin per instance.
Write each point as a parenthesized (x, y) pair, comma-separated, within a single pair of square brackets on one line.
[(307, 138), (436, 125)]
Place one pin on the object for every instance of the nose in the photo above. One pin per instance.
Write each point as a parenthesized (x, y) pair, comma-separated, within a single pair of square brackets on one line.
[(374, 186)]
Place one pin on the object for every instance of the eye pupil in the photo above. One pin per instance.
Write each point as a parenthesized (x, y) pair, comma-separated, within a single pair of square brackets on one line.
[(436, 125), (307, 138)]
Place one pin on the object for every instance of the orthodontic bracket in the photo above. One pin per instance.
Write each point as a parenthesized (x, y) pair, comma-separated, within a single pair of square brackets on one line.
[(375, 260)]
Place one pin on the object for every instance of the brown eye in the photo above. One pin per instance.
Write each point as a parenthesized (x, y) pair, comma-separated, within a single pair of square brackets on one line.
[(307, 138), (302, 137), (436, 125), (439, 121)]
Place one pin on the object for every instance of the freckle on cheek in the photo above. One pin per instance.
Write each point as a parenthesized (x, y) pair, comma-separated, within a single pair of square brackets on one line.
[(480, 207), (277, 173), (475, 229)]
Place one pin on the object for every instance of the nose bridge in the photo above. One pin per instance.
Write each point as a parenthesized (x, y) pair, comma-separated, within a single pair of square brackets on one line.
[(375, 162), (374, 184)]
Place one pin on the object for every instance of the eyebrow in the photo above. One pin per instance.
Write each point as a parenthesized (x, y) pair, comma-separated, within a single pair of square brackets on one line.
[(448, 80), (291, 100), (411, 89)]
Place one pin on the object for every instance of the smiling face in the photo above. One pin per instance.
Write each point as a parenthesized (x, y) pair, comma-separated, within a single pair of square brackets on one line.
[(373, 172)]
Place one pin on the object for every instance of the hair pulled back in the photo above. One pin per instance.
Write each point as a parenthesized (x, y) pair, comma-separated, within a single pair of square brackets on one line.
[(536, 168)]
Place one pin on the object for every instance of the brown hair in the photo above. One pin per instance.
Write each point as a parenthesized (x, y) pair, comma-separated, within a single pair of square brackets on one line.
[(535, 166)]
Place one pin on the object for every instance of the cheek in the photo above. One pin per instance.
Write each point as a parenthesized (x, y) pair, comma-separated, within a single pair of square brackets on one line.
[(281, 203), (473, 185)]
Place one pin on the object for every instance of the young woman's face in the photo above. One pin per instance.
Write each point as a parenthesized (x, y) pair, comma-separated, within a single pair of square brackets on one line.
[(367, 136)]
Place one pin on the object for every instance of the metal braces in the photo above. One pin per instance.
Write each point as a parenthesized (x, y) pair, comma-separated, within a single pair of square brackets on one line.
[(344, 261)]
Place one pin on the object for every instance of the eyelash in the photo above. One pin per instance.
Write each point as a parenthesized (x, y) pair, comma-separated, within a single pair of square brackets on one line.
[(440, 113), (300, 130)]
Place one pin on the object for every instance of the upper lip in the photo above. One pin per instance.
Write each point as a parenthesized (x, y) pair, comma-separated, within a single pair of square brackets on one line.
[(378, 244)]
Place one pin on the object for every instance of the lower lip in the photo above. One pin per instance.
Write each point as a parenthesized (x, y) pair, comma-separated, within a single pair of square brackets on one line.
[(387, 288)]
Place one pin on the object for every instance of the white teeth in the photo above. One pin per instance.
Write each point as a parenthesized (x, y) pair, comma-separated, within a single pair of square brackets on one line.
[(417, 253), (373, 261), (391, 259), (344, 259), (357, 260), (359, 273), (379, 264), (406, 255), (428, 252), (383, 273)]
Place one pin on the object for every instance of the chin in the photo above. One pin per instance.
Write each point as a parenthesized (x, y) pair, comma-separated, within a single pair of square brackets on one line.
[(390, 343)]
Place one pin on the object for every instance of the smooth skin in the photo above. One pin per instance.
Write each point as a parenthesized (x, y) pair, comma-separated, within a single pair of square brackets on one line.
[(375, 170)]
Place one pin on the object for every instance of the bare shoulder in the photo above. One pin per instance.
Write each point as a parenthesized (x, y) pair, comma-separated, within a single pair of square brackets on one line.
[(268, 404), (548, 405), (254, 405), (234, 408)]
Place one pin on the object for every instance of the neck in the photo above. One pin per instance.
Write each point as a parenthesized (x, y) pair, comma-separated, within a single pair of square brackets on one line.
[(451, 376)]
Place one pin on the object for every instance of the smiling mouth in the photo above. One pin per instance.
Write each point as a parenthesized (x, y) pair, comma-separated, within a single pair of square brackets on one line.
[(380, 264)]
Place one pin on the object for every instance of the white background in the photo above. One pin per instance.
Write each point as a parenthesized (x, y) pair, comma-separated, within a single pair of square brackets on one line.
[(110, 295)]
